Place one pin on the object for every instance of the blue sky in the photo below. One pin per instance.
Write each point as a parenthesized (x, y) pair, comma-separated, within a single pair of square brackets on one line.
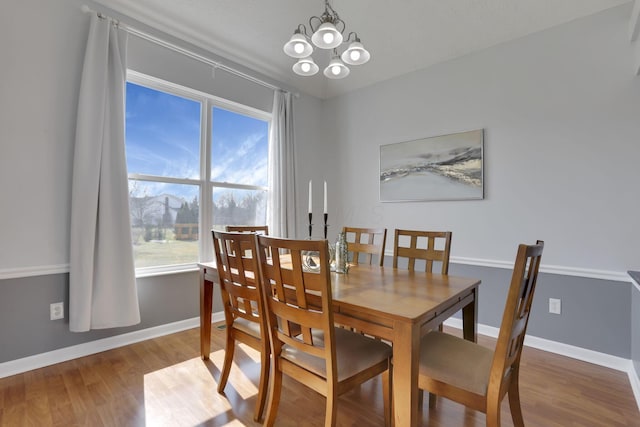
[(163, 138)]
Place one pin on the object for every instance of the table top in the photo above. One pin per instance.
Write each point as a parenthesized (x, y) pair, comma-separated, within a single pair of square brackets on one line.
[(398, 293), (392, 292)]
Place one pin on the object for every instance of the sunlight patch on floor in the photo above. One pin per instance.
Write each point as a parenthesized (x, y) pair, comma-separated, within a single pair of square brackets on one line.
[(184, 394), (234, 423), (238, 380), (251, 352)]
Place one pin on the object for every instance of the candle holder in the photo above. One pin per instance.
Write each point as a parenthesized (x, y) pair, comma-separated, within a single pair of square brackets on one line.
[(326, 216), (310, 225)]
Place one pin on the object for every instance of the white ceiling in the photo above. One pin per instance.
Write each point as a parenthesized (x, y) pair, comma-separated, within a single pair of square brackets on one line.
[(402, 35)]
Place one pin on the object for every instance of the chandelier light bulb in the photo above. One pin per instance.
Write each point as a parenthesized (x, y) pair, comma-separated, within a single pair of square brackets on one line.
[(298, 46), (356, 54), (336, 69), (327, 36), (305, 67)]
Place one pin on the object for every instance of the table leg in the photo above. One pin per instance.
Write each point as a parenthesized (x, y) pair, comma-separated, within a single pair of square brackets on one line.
[(206, 305), (406, 352), (470, 318)]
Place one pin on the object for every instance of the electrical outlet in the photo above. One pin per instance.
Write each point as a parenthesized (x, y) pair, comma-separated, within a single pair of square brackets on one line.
[(56, 311), (555, 305)]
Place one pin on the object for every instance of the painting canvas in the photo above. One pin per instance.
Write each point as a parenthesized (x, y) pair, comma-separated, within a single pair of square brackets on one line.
[(446, 167)]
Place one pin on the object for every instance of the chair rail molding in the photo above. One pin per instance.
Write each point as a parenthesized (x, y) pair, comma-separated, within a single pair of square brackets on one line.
[(45, 270), (35, 270), (616, 276)]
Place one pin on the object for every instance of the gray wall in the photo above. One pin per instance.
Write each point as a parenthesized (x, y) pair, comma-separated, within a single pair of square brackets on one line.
[(587, 319), (25, 328)]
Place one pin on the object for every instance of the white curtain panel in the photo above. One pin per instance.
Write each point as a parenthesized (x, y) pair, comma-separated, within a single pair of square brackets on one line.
[(102, 282), (281, 211)]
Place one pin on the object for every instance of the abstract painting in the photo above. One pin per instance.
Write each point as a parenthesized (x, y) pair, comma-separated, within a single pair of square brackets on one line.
[(445, 167)]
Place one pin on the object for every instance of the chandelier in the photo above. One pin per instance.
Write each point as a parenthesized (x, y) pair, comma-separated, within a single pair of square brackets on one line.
[(327, 33)]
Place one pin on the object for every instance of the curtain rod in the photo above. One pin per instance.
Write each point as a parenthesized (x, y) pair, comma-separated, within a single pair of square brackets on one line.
[(216, 65)]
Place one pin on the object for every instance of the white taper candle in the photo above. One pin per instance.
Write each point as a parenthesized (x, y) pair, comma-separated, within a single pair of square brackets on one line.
[(325, 197)]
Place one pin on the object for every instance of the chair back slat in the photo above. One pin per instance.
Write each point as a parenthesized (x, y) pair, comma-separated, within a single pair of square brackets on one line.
[(516, 314), (369, 242), (430, 246)]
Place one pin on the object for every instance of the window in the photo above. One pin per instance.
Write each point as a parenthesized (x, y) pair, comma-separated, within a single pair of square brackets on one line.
[(173, 194)]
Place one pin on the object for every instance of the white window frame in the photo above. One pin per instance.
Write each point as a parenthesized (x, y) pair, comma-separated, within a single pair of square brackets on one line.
[(206, 186)]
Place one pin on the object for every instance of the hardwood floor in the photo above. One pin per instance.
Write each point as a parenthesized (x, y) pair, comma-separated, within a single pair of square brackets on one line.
[(163, 382)]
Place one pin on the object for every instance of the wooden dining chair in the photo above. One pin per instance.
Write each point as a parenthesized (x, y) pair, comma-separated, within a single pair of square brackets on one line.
[(368, 241), (430, 246), (243, 306), (258, 229), (305, 343), (474, 375)]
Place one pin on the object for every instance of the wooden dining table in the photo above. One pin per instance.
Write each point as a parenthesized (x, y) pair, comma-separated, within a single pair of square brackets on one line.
[(394, 304)]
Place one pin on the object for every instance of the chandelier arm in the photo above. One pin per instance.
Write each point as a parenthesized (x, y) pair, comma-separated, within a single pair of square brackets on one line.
[(349, 39), (311, 26), (328, 10), (303, 30), (337, 22)]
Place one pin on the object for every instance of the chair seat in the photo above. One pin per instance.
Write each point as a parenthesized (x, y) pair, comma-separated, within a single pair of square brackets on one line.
[(354, 353), (452, 360), (247, 326)]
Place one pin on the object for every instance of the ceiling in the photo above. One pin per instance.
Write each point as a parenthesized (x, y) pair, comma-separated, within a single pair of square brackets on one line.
[(402, 35)]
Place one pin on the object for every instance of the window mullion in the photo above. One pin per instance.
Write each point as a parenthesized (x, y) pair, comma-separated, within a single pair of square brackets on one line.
[(206, 207)]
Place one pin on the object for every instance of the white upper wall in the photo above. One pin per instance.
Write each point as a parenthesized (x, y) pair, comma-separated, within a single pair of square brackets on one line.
[(43, 53), (561, 113)]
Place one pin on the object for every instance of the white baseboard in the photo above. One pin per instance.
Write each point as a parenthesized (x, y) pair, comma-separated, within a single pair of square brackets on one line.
[(579, 353), (29, 363)]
